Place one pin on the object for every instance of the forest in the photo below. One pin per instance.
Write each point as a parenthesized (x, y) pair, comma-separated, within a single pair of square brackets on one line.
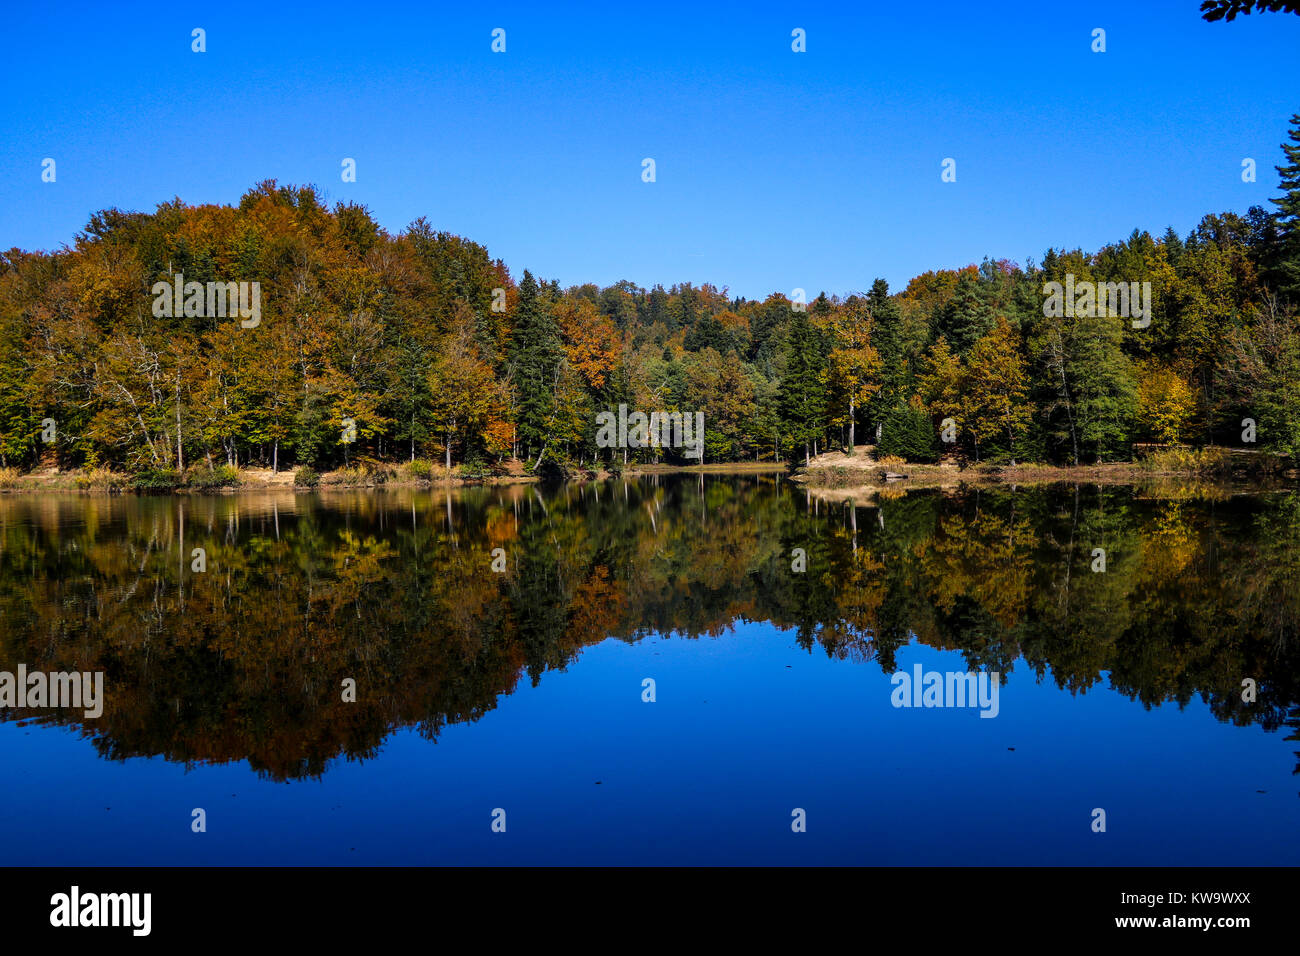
[(373, 349)]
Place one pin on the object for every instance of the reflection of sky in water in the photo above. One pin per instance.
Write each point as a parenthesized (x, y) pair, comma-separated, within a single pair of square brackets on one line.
[(746, 727)]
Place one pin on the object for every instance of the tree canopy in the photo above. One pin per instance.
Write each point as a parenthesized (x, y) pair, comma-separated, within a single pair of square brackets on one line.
[(371, 346)]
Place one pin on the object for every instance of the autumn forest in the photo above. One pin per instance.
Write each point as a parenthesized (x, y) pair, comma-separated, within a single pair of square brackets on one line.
[(374, 349)]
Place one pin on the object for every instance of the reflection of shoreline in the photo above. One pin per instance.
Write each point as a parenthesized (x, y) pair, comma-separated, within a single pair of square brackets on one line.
[(397, 589), (66, 485), (868, 478)]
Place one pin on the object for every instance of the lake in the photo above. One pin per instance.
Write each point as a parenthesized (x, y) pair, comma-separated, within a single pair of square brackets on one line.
[(673, 669)]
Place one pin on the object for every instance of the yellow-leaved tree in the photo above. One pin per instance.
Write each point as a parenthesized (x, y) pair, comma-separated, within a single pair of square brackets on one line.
[(939, 383), (467, 400), (854, 361), (995, 389), (1166, 403)]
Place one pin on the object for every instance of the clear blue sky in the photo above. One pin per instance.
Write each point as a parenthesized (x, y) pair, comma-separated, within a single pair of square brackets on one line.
[(775, 170)]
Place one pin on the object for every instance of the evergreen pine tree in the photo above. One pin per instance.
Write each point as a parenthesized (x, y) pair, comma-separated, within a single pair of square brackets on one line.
[(1288, 217), (909, 434), (802, 396), (535, 355), (966, 317), (1173, 244), (888, 339), (707, 333)]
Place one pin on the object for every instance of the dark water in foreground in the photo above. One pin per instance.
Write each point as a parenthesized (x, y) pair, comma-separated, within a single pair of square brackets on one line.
[(522, 690)]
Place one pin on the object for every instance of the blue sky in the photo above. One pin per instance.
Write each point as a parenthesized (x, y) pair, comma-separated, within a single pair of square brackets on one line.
[(775, 170)]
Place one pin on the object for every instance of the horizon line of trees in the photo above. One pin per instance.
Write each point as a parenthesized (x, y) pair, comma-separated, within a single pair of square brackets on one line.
[(430, 348)]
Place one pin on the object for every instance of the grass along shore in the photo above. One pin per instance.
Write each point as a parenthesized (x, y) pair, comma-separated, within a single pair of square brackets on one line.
[(834, 473), (223, 479)]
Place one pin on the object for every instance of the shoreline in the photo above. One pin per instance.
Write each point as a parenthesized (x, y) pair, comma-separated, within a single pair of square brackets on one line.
[(837, 475), (80, 482), (829, 476)]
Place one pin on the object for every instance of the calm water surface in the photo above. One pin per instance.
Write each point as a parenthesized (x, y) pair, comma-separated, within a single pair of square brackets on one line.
[(523, 689)]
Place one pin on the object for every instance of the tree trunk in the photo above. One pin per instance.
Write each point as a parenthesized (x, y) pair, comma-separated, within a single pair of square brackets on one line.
[(1065, 394), (180, 455), (852, 431)]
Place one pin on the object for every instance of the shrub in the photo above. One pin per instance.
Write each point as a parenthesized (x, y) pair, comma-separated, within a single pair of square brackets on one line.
[(344, 476), (474, 470), (554, 469), (1185, 460), (890, 461), (8, 477), (99, 479), (418, 469), (370, 471), (908, 433), (203, 477), (306, 476), (156, 479)]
